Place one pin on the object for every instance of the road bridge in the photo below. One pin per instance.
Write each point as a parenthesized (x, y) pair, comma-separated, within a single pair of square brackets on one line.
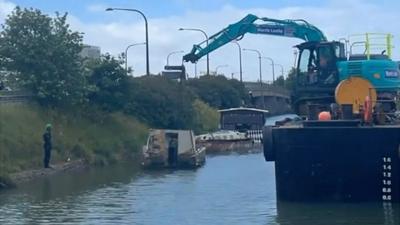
[(273, 98)]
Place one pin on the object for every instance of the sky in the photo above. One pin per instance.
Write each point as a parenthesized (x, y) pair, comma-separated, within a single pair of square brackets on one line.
[(114, 31)]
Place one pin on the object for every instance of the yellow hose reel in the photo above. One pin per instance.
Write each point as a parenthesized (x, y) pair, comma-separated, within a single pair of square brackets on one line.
[(354, 91)]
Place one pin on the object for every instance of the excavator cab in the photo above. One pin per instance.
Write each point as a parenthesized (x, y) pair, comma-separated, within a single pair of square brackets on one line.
[(317, 65), (317, 73)]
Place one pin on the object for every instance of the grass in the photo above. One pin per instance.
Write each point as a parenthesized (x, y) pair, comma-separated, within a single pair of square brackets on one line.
[(100, 138)]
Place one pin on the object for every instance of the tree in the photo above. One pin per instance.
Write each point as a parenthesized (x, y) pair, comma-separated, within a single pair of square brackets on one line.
[(160, 102), (42, 53), (280, 81), (107, 82), (219, 92), (205, 118), (290, 80)]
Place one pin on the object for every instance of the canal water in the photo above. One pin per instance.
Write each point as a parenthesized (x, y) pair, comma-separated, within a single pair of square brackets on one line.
[(229, 189)]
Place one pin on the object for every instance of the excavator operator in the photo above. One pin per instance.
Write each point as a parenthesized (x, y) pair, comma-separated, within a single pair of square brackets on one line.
[(326, 64)]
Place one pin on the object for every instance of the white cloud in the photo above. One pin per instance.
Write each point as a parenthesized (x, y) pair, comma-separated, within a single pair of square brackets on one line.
[(332, 18), (5, 8), (97, 7)]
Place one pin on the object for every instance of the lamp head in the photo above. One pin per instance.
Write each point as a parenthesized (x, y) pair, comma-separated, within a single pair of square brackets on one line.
[(109, 9)]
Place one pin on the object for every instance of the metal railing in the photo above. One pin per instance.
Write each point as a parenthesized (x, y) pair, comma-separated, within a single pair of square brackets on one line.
[(15, 96), (371, 42)]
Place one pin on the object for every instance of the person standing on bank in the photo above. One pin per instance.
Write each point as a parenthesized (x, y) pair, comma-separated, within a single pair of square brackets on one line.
[(47, 146)]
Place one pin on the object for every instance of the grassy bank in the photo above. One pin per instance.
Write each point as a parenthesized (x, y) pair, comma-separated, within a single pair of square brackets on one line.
[(98, 137)]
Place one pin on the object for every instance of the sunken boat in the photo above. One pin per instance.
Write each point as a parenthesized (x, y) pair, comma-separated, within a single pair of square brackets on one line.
[(226, 141), (172, 149)]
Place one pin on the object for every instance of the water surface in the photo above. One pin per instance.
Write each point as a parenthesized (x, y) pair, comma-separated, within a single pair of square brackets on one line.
[(230, 189)]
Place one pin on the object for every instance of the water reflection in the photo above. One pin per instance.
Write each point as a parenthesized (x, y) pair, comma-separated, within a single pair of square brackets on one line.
[(327, 213), (230, 189)]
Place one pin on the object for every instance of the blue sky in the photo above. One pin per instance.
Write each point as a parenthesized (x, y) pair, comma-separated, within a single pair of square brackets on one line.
[(155, 8), (113, 31), (160, 8)]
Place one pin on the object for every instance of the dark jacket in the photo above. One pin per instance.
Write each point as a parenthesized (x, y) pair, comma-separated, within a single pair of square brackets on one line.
[(47, 140)]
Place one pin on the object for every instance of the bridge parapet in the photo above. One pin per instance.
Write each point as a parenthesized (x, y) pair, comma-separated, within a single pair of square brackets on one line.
[(274, 98), (266, 90)]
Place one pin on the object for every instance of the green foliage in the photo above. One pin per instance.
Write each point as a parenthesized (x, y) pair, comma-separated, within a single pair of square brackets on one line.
[(108, 83), (219, 92), (42, 54), (206, 119), (280, 81), (290, 80), (160, 102), (82, 152)]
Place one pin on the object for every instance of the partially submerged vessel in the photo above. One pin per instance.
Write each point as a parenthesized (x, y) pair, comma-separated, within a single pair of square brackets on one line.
[(224, 141), (172, 149), (247, 120), (241, 131)]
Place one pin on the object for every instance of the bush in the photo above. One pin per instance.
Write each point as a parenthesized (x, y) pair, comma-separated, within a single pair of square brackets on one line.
[(219, 92), (108, 83), (80, 152), (160, 102), (206, 119)]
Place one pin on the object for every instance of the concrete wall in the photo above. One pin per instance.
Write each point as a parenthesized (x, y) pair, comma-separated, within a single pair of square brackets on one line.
[(276, 99), (274, 104)]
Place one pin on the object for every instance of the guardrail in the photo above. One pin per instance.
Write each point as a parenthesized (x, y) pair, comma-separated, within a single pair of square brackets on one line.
[(372, 43), (15, 96), (266, 89)]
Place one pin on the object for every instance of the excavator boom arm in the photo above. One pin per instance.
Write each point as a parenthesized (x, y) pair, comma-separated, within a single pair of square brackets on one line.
[(287, 28)]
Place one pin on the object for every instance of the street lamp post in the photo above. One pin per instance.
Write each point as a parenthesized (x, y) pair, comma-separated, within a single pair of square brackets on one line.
[(195, 67), (276, 64), (147, 34), (240, 60), (259, 62), (195, 70), (126, 54), (219, 66), (206, 36), (171, 53), (259, 59), (273, 68)]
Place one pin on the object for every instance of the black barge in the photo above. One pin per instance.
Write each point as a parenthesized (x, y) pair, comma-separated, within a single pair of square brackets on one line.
[(335, 161)]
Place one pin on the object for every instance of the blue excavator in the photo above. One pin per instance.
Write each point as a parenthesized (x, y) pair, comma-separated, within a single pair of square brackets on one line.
[(347, 148), (321, 64)]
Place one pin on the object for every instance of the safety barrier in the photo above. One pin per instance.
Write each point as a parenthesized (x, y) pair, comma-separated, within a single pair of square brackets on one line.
[(256, 135), (372, 43)]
